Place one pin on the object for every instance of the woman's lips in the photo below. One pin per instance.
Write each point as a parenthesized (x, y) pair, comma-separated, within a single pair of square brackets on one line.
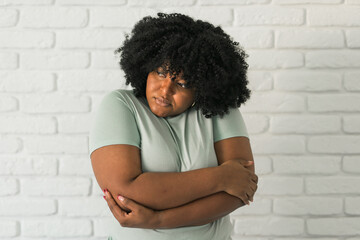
[(162, 101)]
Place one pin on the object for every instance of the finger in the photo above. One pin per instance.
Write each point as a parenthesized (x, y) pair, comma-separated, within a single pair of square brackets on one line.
[(248, 198), (122, 205), (128, 203), (114, 208), (251, 198), (255, 178), (245, 199), (246, 162)]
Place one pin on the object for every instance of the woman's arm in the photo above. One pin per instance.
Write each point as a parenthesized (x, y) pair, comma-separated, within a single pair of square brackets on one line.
[(211, 208), (118, 169), (198, 212)]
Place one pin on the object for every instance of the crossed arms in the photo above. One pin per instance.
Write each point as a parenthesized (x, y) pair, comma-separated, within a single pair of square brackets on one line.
[(169, 200)]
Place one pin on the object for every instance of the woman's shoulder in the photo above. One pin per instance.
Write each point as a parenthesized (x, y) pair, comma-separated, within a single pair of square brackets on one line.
[(121, 96), (121, 93)]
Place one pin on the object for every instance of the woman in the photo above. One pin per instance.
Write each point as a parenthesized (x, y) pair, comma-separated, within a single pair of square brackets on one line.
[(173, 155)]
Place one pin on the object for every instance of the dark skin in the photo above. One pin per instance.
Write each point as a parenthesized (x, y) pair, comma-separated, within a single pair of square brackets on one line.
[(197, 212), (188, 198)]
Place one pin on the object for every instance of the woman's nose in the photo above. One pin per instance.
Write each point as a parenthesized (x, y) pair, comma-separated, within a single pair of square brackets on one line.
[(167, 86)]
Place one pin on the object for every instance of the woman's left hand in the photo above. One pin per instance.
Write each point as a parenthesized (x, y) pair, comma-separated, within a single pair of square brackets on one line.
[(135, 216)]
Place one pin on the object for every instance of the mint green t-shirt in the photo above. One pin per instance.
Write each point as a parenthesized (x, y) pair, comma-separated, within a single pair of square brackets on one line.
[(171, 144)]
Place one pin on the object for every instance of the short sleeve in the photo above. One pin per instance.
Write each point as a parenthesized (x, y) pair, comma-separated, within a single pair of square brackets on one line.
[(230, 125), (114, 123)]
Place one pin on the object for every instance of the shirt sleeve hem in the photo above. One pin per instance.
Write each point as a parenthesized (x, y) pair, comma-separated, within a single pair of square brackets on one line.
[(112, 142)]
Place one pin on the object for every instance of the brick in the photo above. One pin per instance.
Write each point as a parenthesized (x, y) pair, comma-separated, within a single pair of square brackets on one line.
[(332, 59), (56, 144), (74, 124), (332, 185), (252, 38), (334, 103), (95, 102), (9, 228), (33, 207), (104, 60), (241, 237), (8, 103), (256, 124), (353, 38), (161, 4), (274, 102), (59, 186), (272, 59), (306, 164), (26, 39), (307, 81), (109, 17), (54, 103), (9, 144), (96, 190), (102, 226), (307, 238), (53, 17), (27, 124), (352, 205), (334, 144), (352, 81), (75, 166), (8, 60), (91, 39), (216, 16), (54, 60), (263, 165), (317, 206), (289, 144), (28, 166), (305, 124), (269, 225), (81, 81), (83, 207), (288, 2), (8, 186), (27, 82), (260, 81), (340, 226), (91, 2), (351, 164), (309, 38), (266, 15), (333, 16), (56, 228), (258, 207), (268, 185), (27, 2), (232, 2), (351, 124), (8, 17)]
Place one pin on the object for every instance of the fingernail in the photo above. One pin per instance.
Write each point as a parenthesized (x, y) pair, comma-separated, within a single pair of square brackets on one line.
[(104, 197), (121, 198)]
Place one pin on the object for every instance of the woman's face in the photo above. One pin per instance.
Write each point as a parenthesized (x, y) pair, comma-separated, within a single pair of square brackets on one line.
[(167, 97)]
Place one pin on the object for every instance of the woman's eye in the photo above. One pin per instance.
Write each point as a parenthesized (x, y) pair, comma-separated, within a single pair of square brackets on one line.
[(183, 85), (161, 74)]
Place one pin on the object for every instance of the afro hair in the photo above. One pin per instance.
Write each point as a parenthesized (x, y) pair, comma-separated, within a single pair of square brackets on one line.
[(208, 58)]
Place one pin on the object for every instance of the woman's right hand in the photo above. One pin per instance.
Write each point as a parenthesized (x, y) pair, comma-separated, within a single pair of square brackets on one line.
[(238, 180)]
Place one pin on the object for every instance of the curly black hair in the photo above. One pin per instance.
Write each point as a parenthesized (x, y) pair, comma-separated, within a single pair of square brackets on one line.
[(209, 60)]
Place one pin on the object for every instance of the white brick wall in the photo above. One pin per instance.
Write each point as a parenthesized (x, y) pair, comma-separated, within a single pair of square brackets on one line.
[(56, 63)]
